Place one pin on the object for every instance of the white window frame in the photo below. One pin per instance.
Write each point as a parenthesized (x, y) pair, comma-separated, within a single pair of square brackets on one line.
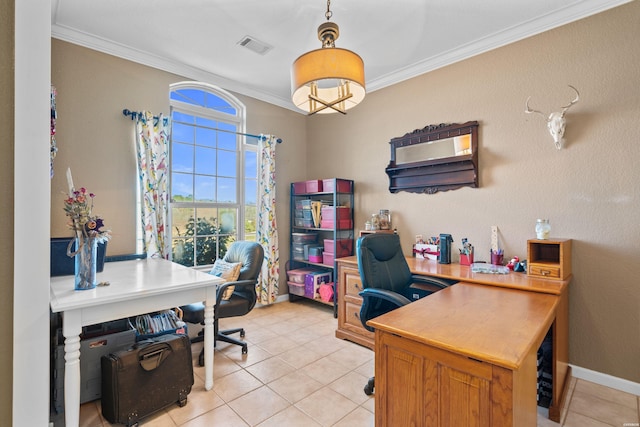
[(239, 120)]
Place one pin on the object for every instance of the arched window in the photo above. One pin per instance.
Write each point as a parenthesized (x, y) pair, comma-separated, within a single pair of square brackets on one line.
[(213, 182)]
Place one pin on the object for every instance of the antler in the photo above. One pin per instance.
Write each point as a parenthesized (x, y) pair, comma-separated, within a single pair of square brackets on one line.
[(555, 121), (529, 110), (565, 108)]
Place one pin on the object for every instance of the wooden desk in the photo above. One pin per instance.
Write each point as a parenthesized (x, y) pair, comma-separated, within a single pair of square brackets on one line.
[(136, 287), (349, 327), (463, 273), (465, 355)]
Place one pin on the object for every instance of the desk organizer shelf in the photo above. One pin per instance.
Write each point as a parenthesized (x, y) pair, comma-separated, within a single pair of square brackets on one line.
[(549, 259)]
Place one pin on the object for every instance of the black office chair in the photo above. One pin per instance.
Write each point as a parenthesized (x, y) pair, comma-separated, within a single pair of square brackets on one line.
[(242, 301), (387, 281)]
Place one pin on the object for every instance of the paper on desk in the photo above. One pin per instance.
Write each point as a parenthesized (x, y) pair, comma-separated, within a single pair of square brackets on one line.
[(481, 267)]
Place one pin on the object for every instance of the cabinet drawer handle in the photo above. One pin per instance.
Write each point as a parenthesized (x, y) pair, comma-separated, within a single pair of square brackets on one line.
[(357, 286), (545, 272), (356, 315)]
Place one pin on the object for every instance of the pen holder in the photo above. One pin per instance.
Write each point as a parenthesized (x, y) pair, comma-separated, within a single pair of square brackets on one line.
[(496, 259), (466, 259)]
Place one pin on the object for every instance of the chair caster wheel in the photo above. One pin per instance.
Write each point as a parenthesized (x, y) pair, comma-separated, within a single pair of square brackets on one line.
[(182, 402), (244, 349), (368, 389), (241, 333)]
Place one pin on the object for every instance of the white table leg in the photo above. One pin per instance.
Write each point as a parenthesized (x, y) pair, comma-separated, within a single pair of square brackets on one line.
[(71, 330), (208, 343)]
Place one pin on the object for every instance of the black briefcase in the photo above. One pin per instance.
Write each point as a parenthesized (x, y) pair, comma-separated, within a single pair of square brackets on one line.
[(149, 376)]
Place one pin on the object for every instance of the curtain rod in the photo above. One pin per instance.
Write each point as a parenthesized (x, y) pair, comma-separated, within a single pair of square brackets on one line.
[(134, 115)]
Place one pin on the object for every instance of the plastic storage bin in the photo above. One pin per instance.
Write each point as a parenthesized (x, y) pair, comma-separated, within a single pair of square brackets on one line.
[(96, 341), (340, 185), (296, 288), (314, 186), (304, 237), (300, 187), (327, 258), (311, 249), (344, 247), (342, 212), (298, 251), (342, 224), (315, 254), (298, 275)]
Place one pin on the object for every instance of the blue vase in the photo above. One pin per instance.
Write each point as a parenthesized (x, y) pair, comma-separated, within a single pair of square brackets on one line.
[(85, 263)]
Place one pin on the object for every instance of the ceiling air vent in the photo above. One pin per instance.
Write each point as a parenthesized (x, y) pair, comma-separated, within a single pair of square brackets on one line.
[(255, 45)]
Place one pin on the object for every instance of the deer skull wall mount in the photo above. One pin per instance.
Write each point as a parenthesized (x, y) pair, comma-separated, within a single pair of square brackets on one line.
[(556, 121)]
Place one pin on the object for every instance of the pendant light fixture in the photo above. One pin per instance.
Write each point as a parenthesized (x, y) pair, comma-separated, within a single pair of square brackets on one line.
[(329, 79)]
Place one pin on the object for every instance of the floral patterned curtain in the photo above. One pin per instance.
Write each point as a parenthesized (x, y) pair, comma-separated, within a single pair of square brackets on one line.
[(267, 232), (152, 146)]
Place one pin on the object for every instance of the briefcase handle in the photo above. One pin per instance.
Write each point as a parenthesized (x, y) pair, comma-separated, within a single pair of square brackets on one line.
[(152, 356)]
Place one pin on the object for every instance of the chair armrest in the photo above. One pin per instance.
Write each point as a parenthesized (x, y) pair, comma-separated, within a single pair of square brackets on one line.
[(429, 280), (385, 294), (376, 301), (237, 284)]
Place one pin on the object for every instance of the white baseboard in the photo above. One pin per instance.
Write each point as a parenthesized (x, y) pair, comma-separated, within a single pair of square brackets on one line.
[(281, 298), (605, 380)]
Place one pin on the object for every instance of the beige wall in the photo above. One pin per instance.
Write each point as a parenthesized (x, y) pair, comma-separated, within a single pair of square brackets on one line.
[(95, 139), (589, 190), (6, 213)]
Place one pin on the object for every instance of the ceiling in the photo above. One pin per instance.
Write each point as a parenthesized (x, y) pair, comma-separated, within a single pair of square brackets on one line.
[(399, 39)]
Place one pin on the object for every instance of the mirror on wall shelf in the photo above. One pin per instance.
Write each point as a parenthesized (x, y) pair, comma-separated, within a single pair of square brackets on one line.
[(435, 158)]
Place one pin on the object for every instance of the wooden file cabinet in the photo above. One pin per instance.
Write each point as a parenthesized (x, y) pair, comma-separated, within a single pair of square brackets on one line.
[(349, 302)]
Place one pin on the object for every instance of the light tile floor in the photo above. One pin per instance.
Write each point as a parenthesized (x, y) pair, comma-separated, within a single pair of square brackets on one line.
[(297, 373)]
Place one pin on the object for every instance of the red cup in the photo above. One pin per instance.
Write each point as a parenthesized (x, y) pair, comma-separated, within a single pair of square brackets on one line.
[(496, 259), (466, 259)]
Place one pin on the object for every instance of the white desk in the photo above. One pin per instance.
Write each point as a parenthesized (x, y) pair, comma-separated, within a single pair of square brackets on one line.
[(136, 287)]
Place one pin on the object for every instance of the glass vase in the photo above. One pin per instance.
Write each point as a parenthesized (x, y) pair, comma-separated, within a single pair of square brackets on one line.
[(85, 263), (385, 219), (375, 222)]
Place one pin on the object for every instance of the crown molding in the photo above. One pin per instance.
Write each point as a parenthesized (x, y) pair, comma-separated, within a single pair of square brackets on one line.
[(568, 14), (165, 64)]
